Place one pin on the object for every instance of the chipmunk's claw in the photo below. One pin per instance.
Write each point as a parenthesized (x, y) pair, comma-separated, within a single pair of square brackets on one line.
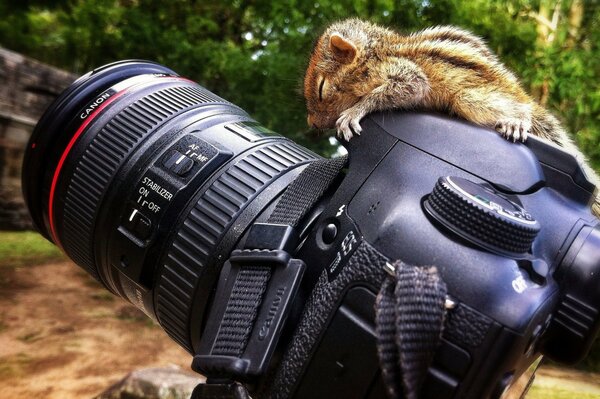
[(348, 124), (514, 129)]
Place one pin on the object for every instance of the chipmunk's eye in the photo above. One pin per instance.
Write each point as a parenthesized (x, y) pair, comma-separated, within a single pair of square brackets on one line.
[(321, 89)]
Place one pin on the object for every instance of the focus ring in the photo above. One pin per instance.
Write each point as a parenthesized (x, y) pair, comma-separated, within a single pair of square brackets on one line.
[(105, 155), (204, 227)]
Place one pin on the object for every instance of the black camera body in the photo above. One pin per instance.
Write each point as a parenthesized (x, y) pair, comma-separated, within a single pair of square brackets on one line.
[(149, 182), (509, 306)]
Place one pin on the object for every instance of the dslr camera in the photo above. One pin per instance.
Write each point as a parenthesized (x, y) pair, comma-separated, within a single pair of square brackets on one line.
[(266, 262)]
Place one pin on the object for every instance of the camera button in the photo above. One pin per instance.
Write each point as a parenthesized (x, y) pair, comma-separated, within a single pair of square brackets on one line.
[(329, 233)]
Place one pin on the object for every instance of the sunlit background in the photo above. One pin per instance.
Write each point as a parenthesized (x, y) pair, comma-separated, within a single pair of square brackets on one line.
[(63, 336)]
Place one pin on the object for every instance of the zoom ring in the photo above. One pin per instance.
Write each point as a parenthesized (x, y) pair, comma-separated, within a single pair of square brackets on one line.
[(206, 224), (472, 220), (107, 153)]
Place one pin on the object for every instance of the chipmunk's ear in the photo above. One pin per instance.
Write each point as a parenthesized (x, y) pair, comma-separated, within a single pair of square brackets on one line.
[(343, 49)]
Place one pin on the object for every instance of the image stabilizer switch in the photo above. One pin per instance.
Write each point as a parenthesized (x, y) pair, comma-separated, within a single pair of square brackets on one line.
[(138, 224)]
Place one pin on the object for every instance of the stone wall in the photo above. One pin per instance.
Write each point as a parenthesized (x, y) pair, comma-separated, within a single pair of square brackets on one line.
[(27, 87)]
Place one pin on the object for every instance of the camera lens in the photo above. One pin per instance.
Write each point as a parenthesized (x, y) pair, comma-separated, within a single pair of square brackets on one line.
[(148, 181)]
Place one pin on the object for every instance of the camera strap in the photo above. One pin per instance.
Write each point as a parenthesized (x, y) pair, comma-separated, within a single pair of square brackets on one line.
[(257, 286), (410, 313)]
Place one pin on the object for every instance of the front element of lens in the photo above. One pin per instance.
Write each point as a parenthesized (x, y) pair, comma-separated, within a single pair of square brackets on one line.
[(148, 182)]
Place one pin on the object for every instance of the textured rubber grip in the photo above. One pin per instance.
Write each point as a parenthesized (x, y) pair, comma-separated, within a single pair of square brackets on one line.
[(106, 153), (468, 219), (205, 225)]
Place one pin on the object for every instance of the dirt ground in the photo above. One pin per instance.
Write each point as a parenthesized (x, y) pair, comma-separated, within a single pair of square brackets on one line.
[(62, 336)]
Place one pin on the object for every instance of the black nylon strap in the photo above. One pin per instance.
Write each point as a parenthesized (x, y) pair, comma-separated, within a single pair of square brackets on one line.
[(251, 283), (410, 312), (385, 322), (306, 190), (242, 307)]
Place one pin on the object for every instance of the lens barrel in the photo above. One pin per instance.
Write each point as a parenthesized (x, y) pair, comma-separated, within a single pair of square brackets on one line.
[(57, 126), (148, 181)]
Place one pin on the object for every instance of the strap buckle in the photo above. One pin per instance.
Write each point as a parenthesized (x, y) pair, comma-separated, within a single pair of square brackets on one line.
[(253, 298)]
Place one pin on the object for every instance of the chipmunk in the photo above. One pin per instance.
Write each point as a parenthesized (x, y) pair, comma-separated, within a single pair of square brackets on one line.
[(358, 67)]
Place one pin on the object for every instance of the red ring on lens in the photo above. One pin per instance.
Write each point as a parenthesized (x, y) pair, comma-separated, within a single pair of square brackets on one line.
[(78, 133), (63, 157)]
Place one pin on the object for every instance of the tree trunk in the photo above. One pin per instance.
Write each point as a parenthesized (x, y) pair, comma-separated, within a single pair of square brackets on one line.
[(547, 18), (575, 19)]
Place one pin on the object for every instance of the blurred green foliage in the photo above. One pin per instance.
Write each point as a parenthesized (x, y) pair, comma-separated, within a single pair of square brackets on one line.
[(254, 52)]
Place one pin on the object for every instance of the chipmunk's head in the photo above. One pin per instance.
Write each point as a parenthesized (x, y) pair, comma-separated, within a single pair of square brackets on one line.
[(337, 71)]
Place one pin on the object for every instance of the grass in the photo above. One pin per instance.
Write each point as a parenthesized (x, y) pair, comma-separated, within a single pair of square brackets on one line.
[(23, 248), (554, 393)]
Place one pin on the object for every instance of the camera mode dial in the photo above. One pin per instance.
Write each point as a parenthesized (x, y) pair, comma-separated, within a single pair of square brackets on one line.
[(482, 216)]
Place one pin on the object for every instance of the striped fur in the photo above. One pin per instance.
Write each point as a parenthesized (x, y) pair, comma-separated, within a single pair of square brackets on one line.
[(357, 67)]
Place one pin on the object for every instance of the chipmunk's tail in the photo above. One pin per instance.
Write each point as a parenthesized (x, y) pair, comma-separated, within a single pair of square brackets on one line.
[(545, 125), (596, 207)]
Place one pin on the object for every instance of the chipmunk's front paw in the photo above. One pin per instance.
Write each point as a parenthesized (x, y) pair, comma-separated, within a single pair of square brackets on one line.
[(514, 129), (348, 124)]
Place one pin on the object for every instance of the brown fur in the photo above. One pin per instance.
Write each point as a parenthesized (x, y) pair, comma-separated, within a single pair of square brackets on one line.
[(357, 67)]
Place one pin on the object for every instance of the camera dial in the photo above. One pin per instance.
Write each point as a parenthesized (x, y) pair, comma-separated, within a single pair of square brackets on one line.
[(482, 216)]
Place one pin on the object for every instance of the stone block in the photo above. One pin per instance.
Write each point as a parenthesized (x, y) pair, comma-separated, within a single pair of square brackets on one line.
[(154, 383)]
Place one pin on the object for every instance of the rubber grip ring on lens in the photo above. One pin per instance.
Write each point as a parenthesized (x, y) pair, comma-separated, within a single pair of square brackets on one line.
[(203, 228), (107, 152)]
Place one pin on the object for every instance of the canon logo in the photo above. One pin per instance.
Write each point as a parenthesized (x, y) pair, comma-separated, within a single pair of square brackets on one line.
[(90, 108), (265, 328)]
